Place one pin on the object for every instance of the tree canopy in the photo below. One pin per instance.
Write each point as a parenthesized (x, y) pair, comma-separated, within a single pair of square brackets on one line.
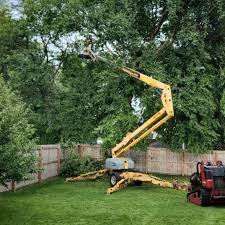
[(179, 42)]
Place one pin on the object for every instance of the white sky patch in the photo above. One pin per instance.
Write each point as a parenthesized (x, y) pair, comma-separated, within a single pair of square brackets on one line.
[(14, 8), (138, 108), (70, 42)]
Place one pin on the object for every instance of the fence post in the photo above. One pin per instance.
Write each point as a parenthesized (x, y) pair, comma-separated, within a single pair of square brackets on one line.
[(79, 147), (216, 156), (146, 161), (13, 185), (40, 165), (182, 163), (58, 159)]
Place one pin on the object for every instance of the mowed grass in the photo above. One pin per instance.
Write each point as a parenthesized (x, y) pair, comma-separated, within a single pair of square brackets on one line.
[(57, 203)]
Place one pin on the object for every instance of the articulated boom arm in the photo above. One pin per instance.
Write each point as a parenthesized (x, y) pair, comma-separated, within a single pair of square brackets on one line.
[(155, 121)]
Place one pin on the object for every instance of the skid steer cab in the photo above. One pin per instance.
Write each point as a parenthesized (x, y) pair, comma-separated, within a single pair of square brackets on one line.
[(207, 184)]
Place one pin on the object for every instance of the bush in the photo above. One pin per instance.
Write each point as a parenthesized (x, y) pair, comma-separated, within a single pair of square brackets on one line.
[(76, 165)]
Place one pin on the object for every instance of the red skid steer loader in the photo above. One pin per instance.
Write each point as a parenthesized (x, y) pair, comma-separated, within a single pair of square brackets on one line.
[(207, 184)]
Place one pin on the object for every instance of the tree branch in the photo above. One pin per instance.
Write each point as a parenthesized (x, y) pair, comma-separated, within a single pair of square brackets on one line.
[(177, 25), (45, 44), (60, 61), (170, 40), (158, 26)]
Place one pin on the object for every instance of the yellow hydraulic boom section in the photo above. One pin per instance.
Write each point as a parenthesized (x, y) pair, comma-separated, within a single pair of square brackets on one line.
[(155, 121)]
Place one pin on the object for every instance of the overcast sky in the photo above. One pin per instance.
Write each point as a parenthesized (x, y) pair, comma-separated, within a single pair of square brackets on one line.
[(13, 1)]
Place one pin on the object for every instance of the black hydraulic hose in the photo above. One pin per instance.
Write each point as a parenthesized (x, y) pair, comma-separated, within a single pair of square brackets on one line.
[(197, 167)]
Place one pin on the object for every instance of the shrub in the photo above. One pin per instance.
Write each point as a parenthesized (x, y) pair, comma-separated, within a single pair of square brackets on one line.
[(76, 165)]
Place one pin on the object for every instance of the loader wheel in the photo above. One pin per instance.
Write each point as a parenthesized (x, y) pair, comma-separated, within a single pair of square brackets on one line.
[(138, 182), (114, 178), (205, 197)]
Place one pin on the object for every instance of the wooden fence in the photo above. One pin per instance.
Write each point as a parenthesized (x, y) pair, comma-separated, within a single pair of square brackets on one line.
[(94, 151), (164, 161), (49, 164), (154, 160), (157, 159)]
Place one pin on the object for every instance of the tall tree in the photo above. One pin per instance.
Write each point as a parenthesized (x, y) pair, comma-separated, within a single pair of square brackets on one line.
[(180, 42), (17, 143), (175, 41), (24, 67)]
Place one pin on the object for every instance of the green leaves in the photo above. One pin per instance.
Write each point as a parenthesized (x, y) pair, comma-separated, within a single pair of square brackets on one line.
[(75, 166), (113, 128), (180, 43), (17, 143)]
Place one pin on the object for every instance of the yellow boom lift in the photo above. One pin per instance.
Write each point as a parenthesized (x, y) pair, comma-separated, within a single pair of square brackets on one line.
[(118, 168)]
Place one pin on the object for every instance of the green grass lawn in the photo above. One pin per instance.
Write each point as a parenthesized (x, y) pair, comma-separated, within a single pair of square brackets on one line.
[(57, 203)]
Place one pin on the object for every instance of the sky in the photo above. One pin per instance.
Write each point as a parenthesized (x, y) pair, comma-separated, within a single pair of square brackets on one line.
[(15, 13), (14, 1)]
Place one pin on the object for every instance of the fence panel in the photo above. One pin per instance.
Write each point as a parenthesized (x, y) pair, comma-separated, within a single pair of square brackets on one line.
[(49, 162), (94, 151), (139, 158), (161, 160), (3, 188)]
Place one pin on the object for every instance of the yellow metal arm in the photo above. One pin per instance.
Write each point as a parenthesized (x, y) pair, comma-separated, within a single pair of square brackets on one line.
[(155, 121)]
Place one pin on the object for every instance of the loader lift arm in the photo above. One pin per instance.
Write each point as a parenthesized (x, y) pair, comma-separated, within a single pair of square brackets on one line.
[(151, 124)]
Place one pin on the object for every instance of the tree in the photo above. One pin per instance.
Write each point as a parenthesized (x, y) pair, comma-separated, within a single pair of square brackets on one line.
[(25, 69), (78, 111), (34, 80), (179, 42), (175, 41), (17, 143)]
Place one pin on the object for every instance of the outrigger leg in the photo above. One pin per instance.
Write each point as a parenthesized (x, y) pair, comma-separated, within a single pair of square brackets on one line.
[(128, 177)]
